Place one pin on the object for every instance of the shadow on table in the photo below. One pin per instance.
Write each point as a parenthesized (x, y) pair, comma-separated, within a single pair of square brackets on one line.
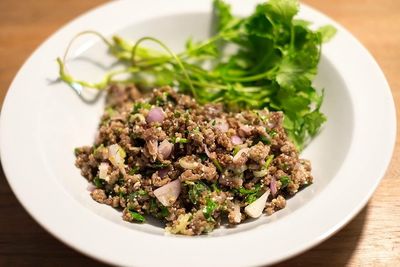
[(335, 251), (24, 243)]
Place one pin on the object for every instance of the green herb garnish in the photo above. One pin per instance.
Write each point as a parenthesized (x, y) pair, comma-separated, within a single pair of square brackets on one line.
[(217, 165), (140, 105), (196, 190), (203, 157), (285, 180), (250, 195), (99, 183), (136, 194), (268, 161), (273, 66), (159, 165), (137, 216), (262, 139), (179, 140), (209, 209), (272, 133), (134, 170)]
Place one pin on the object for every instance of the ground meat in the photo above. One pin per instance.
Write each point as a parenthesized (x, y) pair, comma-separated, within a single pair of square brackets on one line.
[(99, 195), (275, 205), (185, 170), (259, 152)]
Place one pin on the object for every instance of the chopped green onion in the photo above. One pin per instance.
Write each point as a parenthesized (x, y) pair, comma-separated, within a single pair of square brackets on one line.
[(268, 161), (99, 183), (179, 140), (136, 216), (217, 165)]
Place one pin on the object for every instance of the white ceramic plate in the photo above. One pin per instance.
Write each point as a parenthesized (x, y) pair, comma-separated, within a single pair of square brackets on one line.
[(42, 121)]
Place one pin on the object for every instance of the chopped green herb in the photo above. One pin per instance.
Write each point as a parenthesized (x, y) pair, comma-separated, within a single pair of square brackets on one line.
[(140, 105), (217, 165), (159, 165), (110, 111), (215, 187), (99, 183), (136, 216), (136, 194), (164, 211), (250, 195), (203, 157), (244, 191), (236, 150), (157, 210), (262, 139), (179, 140), (196, 190), (273, 133), (97, 151), (134, 170), (160, 101), (121, 194), (285, 180), (209, 209), (251, 198), (153, 205)]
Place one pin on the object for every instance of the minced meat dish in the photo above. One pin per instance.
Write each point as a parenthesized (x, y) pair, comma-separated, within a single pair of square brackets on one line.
[(193, 166)]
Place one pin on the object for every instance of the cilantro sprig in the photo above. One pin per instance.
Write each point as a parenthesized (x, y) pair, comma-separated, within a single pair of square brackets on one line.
[(273, 66)]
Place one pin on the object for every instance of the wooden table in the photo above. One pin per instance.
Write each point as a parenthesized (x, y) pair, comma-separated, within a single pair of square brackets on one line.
[(372, 238)]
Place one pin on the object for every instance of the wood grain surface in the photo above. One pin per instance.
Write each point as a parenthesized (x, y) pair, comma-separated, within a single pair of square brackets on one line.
[(372, 238)]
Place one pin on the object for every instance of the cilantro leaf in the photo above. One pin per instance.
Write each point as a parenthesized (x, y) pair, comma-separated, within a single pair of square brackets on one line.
[(327, 32)]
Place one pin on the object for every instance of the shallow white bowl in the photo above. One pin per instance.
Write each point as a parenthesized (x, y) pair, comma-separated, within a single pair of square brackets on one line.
[(42, 121)]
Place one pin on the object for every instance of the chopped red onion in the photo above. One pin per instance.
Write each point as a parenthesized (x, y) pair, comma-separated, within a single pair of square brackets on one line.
[(272, 186), (168, 193), (236, 140), (271, 124), (155, 115), (90, 187), (163, 172), (165, 148), (245, 130), (222, 125)]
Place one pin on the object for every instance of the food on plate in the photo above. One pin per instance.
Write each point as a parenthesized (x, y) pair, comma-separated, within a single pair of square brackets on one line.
[(190, 165), (212, 132)]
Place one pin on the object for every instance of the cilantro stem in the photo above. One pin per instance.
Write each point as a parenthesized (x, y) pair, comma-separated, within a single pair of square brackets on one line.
[(166, 48)]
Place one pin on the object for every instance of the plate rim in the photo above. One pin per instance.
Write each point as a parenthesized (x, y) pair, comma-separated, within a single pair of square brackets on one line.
[(62, 237)]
